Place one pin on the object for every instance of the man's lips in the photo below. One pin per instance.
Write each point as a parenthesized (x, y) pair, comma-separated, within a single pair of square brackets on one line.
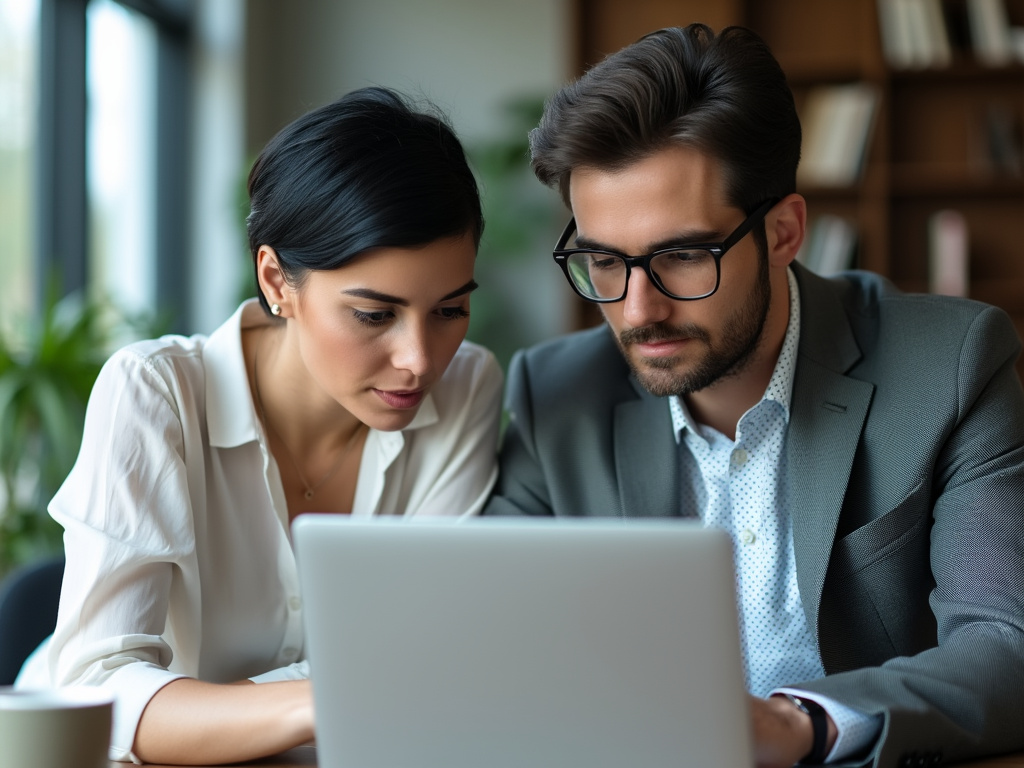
[(661, 347), (662, 340), (401, 399)]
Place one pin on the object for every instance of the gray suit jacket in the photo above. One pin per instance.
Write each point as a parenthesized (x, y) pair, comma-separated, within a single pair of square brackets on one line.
[(905, 462)]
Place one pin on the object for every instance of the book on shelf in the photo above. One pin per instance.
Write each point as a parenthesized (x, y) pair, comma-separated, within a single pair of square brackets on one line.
[(830, 244), (948, 253), (991, 37), (914, 33), (1003, 139), (995, 141), (837, 121)]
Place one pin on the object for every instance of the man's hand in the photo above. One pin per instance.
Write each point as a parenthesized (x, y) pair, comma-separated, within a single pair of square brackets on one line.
[(782, 733)]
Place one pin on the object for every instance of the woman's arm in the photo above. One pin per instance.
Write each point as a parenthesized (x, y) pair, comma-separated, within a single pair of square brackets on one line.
[(189, 722), (138, 524)]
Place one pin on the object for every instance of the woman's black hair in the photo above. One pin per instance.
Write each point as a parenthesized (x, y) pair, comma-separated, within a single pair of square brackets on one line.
[(366, 171)]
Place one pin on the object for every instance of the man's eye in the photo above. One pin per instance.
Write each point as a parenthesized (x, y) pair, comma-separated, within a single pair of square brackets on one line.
[(605, 262), (683, 258)]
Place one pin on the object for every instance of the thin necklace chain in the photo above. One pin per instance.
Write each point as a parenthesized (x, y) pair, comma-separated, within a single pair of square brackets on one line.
[(310, 489)]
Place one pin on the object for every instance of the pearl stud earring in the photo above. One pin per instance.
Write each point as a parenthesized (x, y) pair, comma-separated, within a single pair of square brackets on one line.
[(275, 309)]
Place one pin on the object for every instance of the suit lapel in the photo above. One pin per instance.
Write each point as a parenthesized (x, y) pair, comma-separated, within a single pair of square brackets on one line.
[(827, 417), (646, 458)]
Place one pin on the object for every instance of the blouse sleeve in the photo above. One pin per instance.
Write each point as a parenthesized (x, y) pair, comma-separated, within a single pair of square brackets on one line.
[(128, 530), (455, 466)]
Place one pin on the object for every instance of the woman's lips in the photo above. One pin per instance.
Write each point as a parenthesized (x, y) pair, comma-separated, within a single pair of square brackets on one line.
[(399, 399)]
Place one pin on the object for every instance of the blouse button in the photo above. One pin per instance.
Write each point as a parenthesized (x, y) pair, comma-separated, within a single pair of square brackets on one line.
[(747, 537), (294, 603), (739, 457)]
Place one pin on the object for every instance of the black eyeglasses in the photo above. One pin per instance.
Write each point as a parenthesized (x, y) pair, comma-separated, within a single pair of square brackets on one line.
[(684, 272)]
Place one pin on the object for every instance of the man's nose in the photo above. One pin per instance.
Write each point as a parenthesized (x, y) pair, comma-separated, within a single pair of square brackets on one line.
[(644, 303)]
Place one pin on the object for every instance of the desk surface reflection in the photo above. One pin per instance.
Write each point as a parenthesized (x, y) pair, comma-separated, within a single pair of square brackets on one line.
[(305, 756)]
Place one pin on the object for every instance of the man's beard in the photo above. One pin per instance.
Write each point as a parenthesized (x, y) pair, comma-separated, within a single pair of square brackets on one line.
[(740, 338)]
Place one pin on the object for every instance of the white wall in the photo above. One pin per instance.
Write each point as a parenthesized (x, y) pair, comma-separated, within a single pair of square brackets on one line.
[(467, 55), (219, 262)]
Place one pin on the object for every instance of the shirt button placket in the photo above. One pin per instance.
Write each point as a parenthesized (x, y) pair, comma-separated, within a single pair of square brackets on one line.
[(739, 458)]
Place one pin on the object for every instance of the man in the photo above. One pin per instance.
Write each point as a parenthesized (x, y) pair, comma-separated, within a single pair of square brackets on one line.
[(864, 447)]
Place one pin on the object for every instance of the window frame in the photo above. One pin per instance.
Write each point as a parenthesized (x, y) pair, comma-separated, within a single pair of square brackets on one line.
[(61, 226)]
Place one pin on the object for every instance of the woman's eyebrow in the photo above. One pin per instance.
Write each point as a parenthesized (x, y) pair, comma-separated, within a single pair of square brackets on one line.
[(467, 288), (386, 298)]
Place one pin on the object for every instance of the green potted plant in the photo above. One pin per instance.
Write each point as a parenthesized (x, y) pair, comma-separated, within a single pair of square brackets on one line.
[(522, 220), (46, 374)]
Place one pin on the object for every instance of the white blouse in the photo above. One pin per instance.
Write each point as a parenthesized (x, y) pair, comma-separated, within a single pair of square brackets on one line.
[(179, 561)]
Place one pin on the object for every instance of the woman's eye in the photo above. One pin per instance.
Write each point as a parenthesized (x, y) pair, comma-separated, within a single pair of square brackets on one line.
[(453, 313), (372, 319)]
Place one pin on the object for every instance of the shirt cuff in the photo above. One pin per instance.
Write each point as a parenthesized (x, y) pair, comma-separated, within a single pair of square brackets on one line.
[(856, 730), (297, 671), (133, 686)]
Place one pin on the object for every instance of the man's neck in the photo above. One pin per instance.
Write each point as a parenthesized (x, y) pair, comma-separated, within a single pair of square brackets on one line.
[(721, 405)]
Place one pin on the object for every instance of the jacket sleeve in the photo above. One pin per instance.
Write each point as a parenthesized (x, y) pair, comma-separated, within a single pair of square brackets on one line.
[(521, 488), (961, 699)]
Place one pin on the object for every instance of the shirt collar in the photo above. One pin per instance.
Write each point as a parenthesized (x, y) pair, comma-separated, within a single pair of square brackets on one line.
[(232, 420), (780, 385)]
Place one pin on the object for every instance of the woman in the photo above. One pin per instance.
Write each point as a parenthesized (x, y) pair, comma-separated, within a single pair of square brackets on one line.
[(347, 388)]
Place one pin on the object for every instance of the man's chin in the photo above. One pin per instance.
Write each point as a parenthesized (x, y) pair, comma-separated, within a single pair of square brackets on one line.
[(661, 377), (664, 377)]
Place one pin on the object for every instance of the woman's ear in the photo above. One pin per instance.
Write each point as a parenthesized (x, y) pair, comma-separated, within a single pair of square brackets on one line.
[(785, 227), (272, 280)]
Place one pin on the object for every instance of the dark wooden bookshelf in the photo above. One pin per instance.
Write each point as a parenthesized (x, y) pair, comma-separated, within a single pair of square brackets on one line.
[(930, 146)]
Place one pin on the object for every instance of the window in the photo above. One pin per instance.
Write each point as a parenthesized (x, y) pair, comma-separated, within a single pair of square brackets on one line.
[(111, 215), (121, 155), (19, 22)]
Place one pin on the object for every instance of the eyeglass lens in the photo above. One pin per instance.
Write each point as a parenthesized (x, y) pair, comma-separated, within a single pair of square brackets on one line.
[(684, 274)]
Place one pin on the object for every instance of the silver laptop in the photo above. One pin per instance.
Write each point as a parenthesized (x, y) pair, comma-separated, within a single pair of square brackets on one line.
[(488, 643)]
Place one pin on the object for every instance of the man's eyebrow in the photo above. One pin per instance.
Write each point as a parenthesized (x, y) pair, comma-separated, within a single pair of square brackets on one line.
[(690, 237), (386, 298)]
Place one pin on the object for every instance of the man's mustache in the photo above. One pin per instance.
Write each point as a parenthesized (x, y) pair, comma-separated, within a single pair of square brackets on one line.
[(662, 332)]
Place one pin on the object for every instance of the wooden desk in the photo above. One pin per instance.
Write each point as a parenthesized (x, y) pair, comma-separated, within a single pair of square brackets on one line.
[(1009, 761), (302, 757)]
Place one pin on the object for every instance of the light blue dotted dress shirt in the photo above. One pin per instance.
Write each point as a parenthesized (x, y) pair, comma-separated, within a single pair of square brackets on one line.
[(741, 487)]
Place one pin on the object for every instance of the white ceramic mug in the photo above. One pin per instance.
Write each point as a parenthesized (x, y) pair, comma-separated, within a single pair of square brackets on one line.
[(62, 728)]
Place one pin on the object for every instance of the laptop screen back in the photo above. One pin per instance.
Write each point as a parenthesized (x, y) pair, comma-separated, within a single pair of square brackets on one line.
[(497, 644)]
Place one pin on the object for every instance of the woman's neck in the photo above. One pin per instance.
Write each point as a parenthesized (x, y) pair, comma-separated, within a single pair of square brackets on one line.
[(304, 417)]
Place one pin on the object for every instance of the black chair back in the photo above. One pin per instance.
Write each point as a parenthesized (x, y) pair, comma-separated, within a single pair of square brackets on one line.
[(28, 612)]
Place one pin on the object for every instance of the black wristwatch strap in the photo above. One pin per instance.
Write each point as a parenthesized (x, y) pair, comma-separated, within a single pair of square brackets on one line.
[(819, 724)]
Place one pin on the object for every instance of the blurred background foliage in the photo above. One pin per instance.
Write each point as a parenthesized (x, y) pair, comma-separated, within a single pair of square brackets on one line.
[(47, 369), (514, 268)]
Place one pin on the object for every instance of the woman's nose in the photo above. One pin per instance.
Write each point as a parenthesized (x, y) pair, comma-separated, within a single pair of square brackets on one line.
[(412, 351)]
